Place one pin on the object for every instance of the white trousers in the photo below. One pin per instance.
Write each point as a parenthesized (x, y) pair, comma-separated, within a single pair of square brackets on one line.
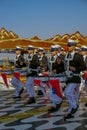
[(17, 84), (30, 86), (72, 95)]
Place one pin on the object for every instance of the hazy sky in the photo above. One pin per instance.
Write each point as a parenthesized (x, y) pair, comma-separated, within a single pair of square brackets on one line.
[(44, 18)]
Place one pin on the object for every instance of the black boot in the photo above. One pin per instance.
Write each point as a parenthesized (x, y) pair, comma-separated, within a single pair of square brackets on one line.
[(39, 92), (68, 116), (52, 109), (74, 110), (86, 104), (58, 106), (31, 100), (21, 91), (18, 97)]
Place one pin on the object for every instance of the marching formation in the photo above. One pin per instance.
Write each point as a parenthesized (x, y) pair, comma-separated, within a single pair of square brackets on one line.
[(54, 69)]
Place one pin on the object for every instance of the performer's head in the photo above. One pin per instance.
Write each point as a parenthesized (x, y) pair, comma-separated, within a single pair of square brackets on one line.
[(58, 48), (40, 51), (53, 50), (84, 50), (62, 51), (18, 50), (30, 49), (77, 50), (71, 45)]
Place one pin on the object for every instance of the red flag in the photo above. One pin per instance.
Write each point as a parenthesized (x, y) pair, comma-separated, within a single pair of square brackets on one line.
[(4, 76), (85, 75), (56, 85), (17, 75), (37, 81)]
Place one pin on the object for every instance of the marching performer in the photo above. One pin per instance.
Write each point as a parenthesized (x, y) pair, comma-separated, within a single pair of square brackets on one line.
[(43, 60), (19, 63), (84, 80), (30, 51), (74, 66), (55, 86), (53, 50), (19, 60), (52, 57), (60, 52), (32, 72)]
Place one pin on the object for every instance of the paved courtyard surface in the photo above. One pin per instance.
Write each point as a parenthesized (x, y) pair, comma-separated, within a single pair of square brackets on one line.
[(16, 115)]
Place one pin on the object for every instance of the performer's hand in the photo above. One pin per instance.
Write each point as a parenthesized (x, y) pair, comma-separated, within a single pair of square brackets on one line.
[(21, 63), (54, 71), (72, 68)]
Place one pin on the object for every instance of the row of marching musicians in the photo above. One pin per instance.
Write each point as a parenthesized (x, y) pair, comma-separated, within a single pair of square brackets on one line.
[(72, 63)]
